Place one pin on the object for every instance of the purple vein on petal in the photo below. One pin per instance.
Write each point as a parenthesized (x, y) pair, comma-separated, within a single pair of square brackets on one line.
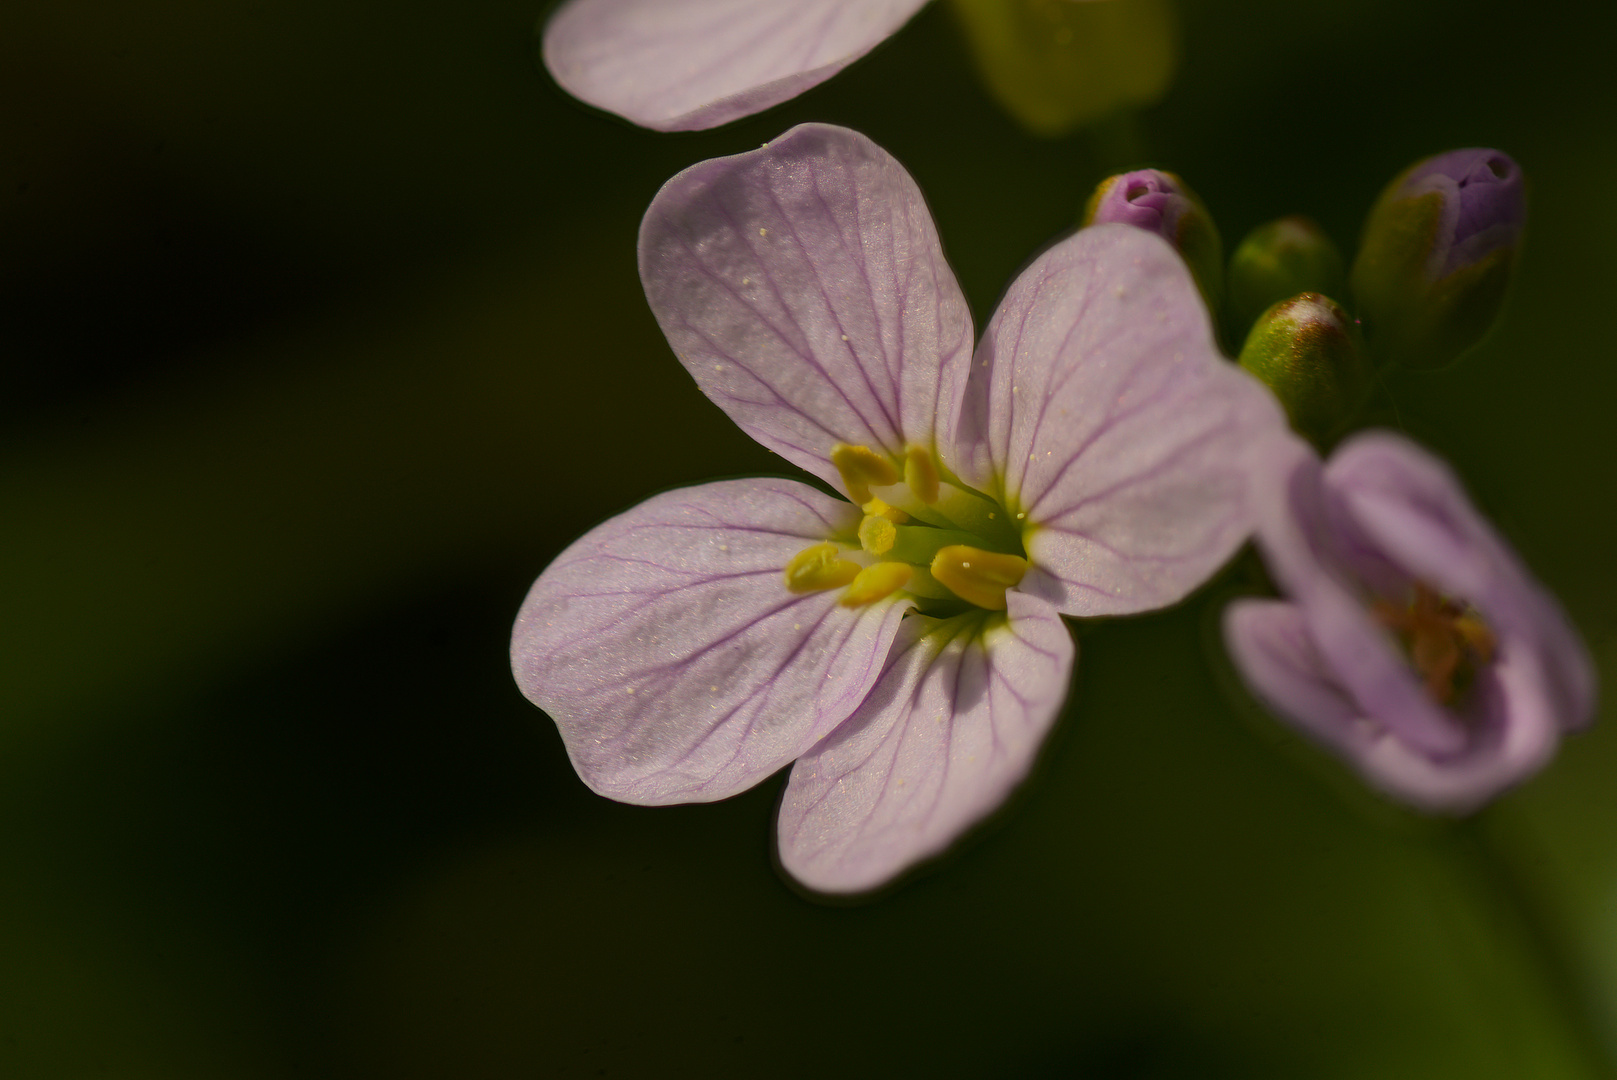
[(673, 660), (952, 725), (856, 331)]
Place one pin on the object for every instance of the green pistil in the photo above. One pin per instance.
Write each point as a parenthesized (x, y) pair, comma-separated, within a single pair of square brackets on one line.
[(918, 544)]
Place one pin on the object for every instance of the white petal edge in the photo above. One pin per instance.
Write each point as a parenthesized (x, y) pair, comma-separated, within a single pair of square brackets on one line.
[(685, 65)]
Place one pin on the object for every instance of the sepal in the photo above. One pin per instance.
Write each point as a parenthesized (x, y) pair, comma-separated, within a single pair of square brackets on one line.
[(1437, 255)]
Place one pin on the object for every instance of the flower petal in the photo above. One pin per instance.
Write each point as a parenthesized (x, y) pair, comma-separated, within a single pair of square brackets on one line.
[(952, 727), (1100, 407), (1304, 537), (1514, 732), (1269, 642), (804, 287), (685, 65), (665, 646), (1513, 725), (1415, 510)]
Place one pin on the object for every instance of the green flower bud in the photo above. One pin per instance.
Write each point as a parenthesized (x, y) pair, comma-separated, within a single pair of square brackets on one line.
[(1312, 356), (1437, 256), (1159, 202), (1283, 258), (1056, 65)]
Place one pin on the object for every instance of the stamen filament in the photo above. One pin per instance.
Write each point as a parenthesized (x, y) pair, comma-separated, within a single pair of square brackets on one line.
[(958, 508), (922, 583), (919, 544)]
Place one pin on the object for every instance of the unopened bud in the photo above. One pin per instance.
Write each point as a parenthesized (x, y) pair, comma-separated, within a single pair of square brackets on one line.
[(1161, 203), (1437, 255), (1281, 259), (1311, 355)]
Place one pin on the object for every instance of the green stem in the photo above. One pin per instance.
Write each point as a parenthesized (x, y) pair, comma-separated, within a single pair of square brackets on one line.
[(1497, 866)]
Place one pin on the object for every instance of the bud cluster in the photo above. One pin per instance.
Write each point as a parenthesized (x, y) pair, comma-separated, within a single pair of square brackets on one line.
[(1427, 284)]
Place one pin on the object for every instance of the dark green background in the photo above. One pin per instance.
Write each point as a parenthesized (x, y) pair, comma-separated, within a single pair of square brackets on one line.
[(322, 335)]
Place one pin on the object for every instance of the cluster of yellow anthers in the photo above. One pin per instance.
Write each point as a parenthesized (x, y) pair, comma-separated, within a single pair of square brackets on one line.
[(1445, 641), (920, 534)]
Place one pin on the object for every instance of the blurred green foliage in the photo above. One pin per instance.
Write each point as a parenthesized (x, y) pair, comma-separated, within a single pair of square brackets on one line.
[(322, 335)]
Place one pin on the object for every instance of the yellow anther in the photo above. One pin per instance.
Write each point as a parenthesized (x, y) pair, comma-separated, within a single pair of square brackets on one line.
[(1475, 633), (818, 568), (921, 475), (876, 508), (1445, 642), (876, 534), (876, 583), (861, 467), (977, 576)]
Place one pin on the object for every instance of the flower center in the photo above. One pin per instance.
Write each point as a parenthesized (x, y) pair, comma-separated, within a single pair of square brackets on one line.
[(950, 547), (1446, 642)]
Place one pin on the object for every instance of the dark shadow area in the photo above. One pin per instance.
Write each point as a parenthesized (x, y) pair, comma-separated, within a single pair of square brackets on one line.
[(268, 817)]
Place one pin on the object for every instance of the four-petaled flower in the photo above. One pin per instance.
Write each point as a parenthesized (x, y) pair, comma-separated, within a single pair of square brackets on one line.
[(906, 649), (1412, 641)]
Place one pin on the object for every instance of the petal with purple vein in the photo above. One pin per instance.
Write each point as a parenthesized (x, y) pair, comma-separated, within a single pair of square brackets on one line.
[(673, 659), (952, 727), (804, 288), (1101, 409)]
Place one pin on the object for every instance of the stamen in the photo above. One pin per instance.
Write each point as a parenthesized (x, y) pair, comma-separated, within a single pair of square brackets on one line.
[(876, 583), (976, 576), (818, 568), (1445, 641), (1475, 633), (876, 534), (951, 507), (1436, 655), (876, 508), (860, 467), (921, 475)]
